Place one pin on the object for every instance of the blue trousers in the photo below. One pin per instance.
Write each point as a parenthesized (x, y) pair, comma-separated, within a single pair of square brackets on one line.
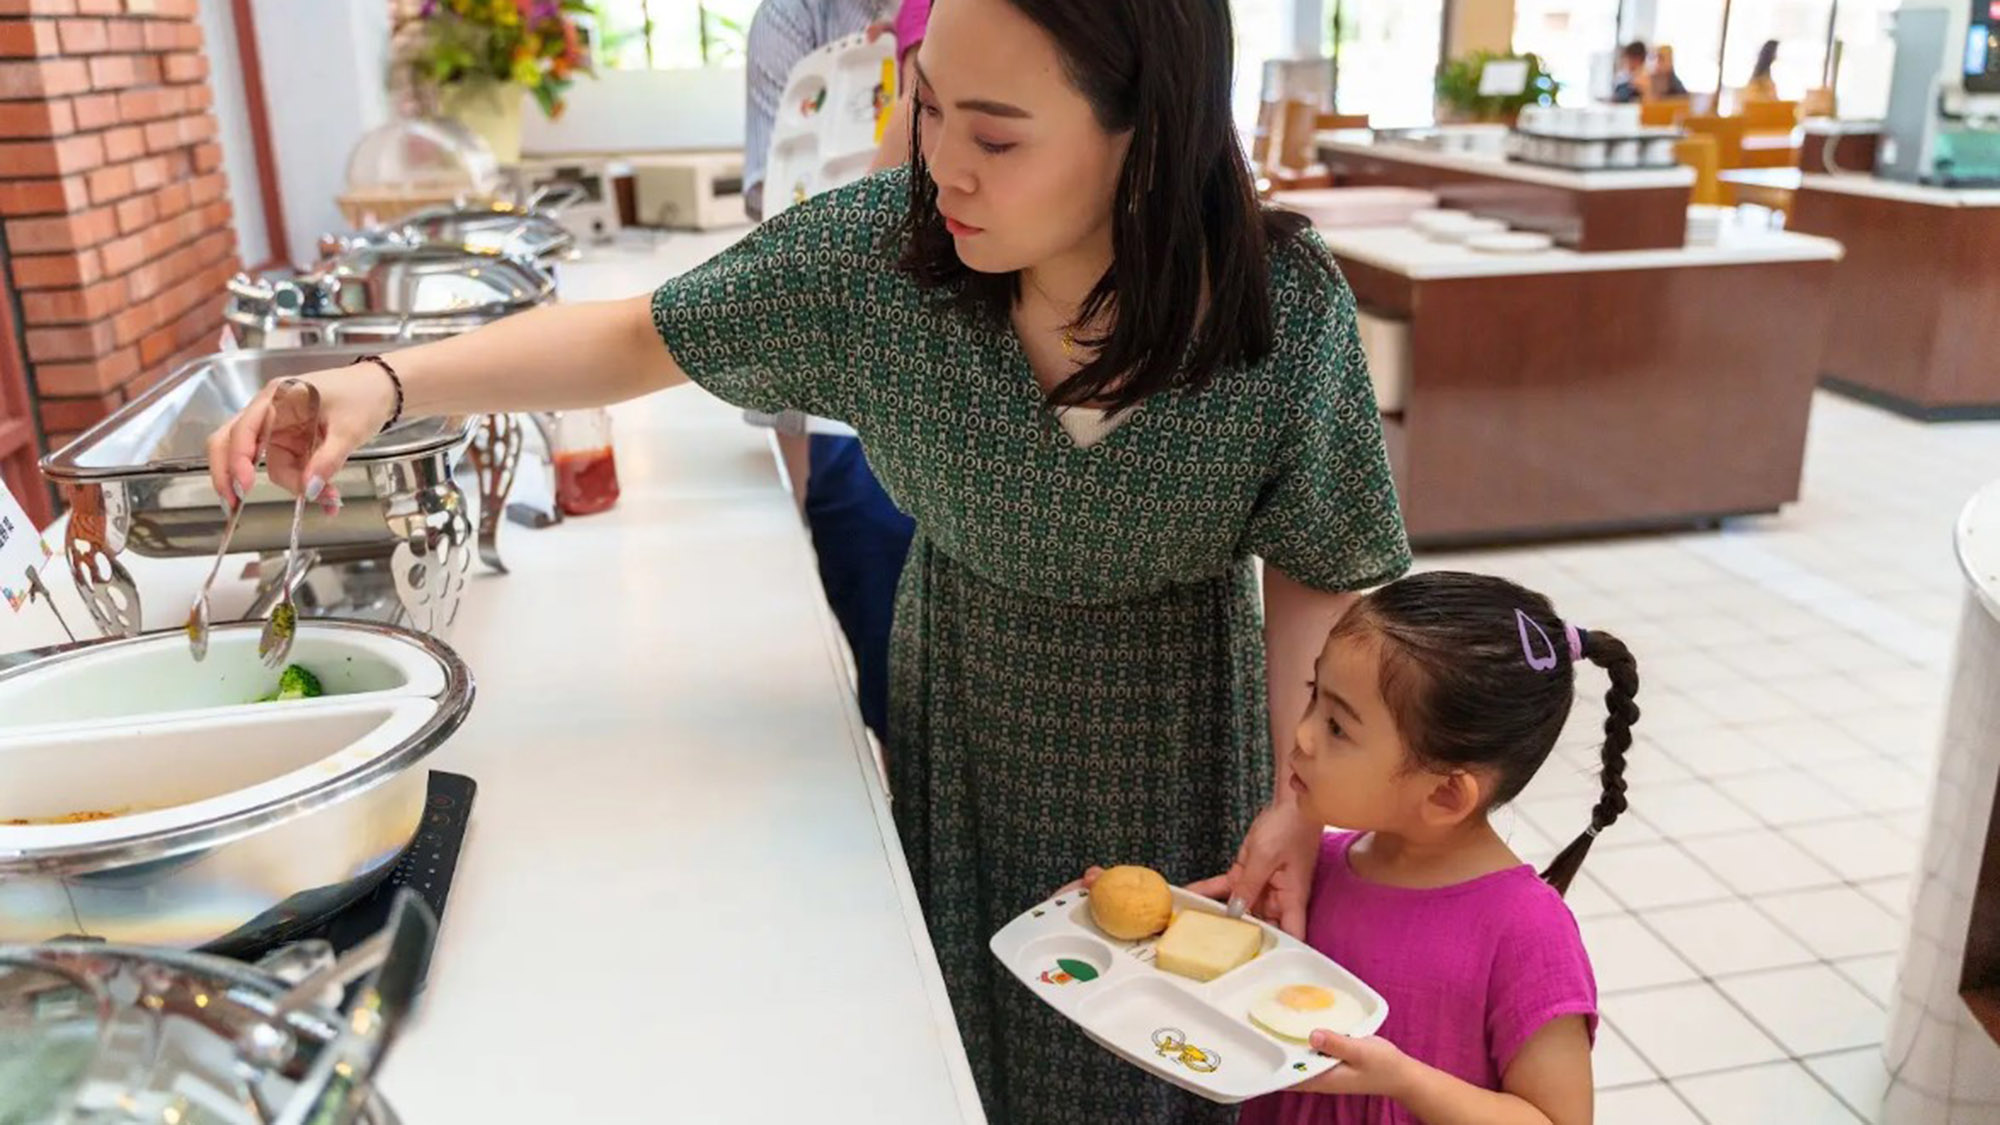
[(861, 540)]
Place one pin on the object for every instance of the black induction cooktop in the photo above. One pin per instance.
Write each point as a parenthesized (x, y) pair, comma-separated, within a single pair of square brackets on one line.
[(426, 867)]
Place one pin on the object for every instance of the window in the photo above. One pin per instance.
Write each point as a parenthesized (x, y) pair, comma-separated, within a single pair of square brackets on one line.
[(1577, 40), (1866, 55), (671, 34), (1388, 59), (635, 34), (1799, 26), (1261, 33), (1693, 28)]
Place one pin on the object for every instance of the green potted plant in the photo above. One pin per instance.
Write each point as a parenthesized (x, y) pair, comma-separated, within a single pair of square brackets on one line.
[(1459, 99), (479, 57)]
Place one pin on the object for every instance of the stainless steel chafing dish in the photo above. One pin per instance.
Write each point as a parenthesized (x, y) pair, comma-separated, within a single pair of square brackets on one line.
[(387, 287), (150, 800), (532, 231), (123, 1035), (385, 293), (526, 237), (523, 234), (139, 481)]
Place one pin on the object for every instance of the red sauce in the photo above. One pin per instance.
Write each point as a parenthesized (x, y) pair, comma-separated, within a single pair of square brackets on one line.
[(586, 481)]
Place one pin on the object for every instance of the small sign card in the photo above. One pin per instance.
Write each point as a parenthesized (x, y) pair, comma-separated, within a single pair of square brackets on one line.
[(22, 549)]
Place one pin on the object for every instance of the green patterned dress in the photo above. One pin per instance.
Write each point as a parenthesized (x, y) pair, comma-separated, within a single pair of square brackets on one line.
[(1077, 671)]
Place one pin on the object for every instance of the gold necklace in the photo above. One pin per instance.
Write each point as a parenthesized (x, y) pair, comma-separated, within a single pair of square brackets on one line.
[(1068, 332)]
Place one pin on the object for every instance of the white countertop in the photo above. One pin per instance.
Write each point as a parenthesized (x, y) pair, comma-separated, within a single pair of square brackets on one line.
[(1404, 251), (1978, 542), (681, 897), (1839, 126), (1772, 142), (1354, 143), (1874, 187)]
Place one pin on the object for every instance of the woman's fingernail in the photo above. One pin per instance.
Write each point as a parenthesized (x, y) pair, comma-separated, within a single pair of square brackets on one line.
[(314, 487), (242, 490)]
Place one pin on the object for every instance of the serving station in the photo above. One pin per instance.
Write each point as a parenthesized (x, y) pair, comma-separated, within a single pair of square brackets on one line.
[(674, 764)]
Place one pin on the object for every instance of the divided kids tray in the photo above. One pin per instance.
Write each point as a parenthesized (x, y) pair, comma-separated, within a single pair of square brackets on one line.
[(830, 119), (1196, 1035)]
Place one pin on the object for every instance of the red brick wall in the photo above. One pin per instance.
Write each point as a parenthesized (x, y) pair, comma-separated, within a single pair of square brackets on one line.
[(118, 229)]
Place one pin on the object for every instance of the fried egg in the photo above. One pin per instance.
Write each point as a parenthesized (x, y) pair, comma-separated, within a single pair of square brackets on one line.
[(1295, 1011)]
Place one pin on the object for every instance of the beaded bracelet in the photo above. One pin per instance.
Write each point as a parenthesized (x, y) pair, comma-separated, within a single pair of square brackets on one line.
[(395, 381)]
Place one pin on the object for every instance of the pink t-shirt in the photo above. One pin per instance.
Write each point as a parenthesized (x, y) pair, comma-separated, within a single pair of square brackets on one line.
[(1470, 971), (912, 17)]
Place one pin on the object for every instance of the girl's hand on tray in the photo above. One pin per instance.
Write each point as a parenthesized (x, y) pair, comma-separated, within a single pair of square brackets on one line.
[(1368, 1065)]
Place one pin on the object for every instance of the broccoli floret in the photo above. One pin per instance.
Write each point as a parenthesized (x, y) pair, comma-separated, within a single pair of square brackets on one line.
[(294, 682), (297, 683)]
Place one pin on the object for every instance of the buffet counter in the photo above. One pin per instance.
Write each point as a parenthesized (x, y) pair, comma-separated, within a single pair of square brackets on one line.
[(1913, 325), (681, 896), (1562, 393), (1597, 210)]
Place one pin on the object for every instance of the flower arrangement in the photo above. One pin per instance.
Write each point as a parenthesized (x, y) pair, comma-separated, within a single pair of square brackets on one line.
[(534, 44)]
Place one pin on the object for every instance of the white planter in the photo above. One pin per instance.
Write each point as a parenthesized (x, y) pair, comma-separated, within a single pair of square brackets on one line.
[(1944, 1066)]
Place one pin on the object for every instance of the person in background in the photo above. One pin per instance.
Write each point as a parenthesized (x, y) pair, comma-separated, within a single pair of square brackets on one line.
[(859, 536), (1761, 88), (781, 33), (1665, 82), (1631, 85)]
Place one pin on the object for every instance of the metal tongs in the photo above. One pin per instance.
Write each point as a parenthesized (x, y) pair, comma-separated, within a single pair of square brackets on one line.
[(197, 622), (275, 644)]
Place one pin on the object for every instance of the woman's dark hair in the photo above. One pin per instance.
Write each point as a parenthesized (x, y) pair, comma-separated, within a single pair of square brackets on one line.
[(1478, 673), (1636, 52), (1187, 228), (1767, 57)]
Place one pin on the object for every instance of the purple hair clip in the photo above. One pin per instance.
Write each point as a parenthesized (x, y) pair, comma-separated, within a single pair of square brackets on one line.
[(1547, 659)]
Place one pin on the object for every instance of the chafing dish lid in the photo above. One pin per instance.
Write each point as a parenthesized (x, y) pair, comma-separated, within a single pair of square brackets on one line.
[(396, 281), (166, 429), (112, 1035), (498, 228)]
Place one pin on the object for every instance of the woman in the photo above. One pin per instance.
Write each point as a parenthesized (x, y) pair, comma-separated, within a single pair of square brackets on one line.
[(1101, 379), (1666, 81), (1761, 87)]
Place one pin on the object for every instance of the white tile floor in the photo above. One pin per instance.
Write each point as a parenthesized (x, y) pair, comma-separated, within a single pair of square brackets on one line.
[(1745, 916)]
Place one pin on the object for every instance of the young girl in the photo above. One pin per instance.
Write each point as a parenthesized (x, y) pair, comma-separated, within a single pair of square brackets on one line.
[(1434, 701)]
